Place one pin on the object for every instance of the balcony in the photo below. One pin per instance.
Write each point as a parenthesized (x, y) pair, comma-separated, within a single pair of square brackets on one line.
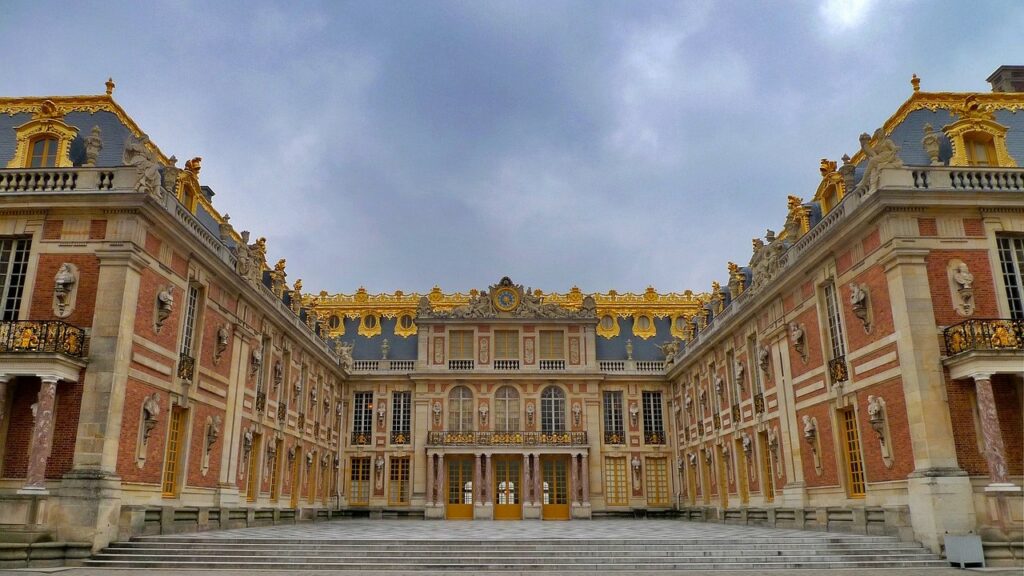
[(510, 439), (614, 437), (460, 365), (759, 403), (362, 438), (838, 371), (552, 365), (29, 337), (261, 402), (654, 437), (401, 437), (368, 366), (31, 348), (282, 411), (984, 335), (506, 365), (632, 366)]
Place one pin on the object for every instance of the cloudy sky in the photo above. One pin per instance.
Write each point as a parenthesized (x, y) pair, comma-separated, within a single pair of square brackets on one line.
[(609, 145)]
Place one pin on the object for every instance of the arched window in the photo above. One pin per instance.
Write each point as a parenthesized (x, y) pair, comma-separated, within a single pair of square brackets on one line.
[(506, 409), (460, 409), (552, 410), (43, 152)]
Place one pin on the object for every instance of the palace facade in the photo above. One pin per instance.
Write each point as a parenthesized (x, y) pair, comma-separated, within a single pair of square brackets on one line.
[(862, 372)]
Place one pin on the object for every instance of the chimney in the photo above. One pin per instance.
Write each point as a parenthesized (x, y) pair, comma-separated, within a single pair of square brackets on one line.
[(1007, 79)]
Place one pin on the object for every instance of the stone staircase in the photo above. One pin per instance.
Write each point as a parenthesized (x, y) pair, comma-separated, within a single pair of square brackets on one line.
[(599, 555)]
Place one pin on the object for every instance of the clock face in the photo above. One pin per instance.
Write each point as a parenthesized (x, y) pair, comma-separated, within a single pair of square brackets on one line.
[(506, 299)]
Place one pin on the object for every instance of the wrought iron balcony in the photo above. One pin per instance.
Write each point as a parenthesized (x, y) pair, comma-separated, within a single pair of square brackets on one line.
[(515, 438), (984, 334), (735, 415), (282, 411), (759, 403), (700, 428), (27, 337), (362, 438), (716, 420), (300, 422), (401, 437), (838, 371), (654, 437), (614, 437), (261, 401)]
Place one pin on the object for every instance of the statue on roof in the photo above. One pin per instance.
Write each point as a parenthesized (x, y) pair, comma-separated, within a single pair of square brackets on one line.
[(93, 145), (884, 153), (930, 143), (137, 154)]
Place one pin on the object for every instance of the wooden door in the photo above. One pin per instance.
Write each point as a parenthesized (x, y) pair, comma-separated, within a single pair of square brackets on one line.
[(508, 476), (555, 487), (460, 487)]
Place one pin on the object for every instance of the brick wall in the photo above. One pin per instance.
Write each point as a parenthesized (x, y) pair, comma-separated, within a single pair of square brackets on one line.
[(150, 285), (899, 441), (85, 299), (19, 429), (942, 297), (879, 304), (826, 448), (135, 393), (812, 338), (961, 398)]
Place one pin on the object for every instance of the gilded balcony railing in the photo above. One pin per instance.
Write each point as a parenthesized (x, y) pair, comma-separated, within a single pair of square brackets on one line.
[(400, 437), (984, 334), (838, 371), (716, 420), (700, 428), (513, 438), (362, 438), (282, 411), (614, 437), (42, 336), (735, 414), (759, 403), (654, 437), (261, 401)]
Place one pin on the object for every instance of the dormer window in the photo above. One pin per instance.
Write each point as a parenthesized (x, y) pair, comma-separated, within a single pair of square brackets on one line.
[(980, 148), (44, 152)]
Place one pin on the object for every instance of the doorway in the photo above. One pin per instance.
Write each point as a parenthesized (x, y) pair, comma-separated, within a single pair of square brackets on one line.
[(460, 487), (555, 487), (508, 474)]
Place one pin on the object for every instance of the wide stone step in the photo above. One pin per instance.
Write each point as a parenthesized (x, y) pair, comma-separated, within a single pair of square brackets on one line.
[(598, 567), (355, 552)]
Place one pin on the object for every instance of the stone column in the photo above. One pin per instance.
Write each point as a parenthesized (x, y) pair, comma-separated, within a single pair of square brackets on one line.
[(430, 480), (585, 479), (527, 480), (42, 436), (442, 495), (489, 479), (995, 453), (538, 481), (573, 480), (477, 490)]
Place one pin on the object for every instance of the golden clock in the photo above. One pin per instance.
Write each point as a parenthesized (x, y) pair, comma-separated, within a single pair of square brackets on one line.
[(506, 299)]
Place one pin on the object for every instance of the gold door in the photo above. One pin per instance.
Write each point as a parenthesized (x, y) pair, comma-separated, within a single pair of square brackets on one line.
[(555, 476), (507, 487), (460, 487)]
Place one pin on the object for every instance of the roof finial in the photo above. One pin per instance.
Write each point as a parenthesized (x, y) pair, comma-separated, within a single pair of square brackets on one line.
[(915, 82), (110, 86)]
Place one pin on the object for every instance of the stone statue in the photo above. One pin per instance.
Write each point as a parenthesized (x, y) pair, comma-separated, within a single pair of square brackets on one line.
[(589, 307), (738, 369), (875, 416), (164, 305), (719, 388), (669, 349), (748, 445), (138, 155), (423, 308), (255, 361), (763, 359), (962, 276), (810, 430), (883, 154), (150, 411), (63, 283), (243, 259), (385, 347), (212, 432), (963, 283), (930, 142), (859, 304), (221, 343), (796, 337), (278, 374), (93, 145), (345, 352)]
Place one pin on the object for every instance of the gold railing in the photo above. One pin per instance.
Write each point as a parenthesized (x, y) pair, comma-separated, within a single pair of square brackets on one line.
[(42, 336), (513, 438), (984, 334)]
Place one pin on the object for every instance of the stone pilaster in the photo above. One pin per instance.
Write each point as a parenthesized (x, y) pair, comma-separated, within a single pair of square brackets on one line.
[(42, 436), (939, 492), (430, 480), (585, 479), (574, 481)]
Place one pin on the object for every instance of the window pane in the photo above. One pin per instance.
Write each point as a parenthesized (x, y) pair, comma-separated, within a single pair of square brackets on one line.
[(552, 410)]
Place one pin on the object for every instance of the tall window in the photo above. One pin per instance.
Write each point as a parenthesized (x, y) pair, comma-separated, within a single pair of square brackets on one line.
[(398, 481), (275, 470), (506, 409), (460, 344), (730, 376), (13, 267), (657, 482), (766, 469), (616, 491), (252, 477), (552, 410), (172, 460), (401, 417), (506, 344), (359, 486), (460, 409), (613, 430), (851, 448), (835, 326), (551, 345), (191, 306), (981, 149), (654, 425), (44, 152), (1011, 260), (362, 415)]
